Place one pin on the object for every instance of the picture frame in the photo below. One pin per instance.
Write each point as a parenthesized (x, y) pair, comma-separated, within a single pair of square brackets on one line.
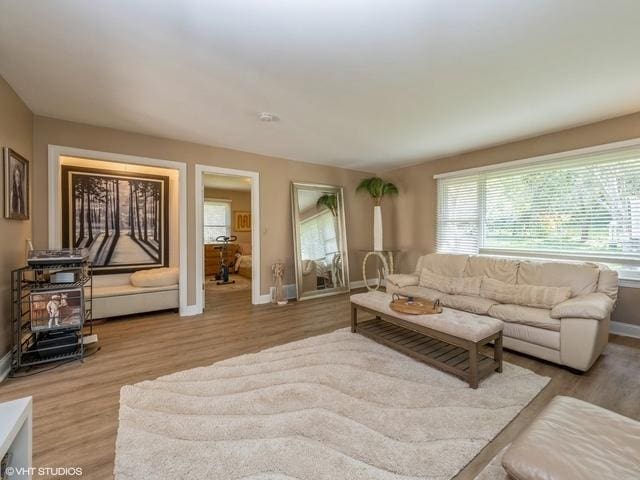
[(16, 185), (241, 221), (120, 217), (61, 309)]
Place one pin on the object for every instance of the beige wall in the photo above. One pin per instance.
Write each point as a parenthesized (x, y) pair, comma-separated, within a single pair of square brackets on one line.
[(275, 177), (240, 201), (411, 218), (16, 132)]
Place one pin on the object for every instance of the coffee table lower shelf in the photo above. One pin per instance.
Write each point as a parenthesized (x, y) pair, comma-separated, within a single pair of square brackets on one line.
[(445, 356)]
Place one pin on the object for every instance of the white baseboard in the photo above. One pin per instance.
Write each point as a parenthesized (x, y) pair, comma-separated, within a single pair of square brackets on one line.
[(625, 329), (291, 290), (5, 366), (262, 299), (370, 281), (190, 310)]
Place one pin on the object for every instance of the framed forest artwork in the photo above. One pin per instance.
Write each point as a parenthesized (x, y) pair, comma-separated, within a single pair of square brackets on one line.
[(121, 218)]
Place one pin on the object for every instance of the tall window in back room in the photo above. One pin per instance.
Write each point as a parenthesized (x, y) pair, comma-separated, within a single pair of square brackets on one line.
[(578, 206), (217, 219)]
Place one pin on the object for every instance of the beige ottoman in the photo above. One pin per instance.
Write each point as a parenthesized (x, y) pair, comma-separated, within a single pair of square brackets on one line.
[(571, 440)]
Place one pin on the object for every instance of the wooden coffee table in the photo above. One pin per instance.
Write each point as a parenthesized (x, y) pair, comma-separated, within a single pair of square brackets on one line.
[(450, 341)]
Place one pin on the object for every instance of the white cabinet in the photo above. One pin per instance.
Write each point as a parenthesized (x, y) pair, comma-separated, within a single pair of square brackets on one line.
[(16, 437)]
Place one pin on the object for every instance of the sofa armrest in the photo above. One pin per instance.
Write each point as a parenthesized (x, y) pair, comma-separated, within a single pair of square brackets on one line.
[(591, 305), (403, 279)]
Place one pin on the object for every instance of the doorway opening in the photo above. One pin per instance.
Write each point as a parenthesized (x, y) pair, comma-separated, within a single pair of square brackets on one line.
[(227, 208)]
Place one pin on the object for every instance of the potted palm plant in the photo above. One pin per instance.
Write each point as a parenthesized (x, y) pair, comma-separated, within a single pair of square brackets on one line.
[(377, 188)]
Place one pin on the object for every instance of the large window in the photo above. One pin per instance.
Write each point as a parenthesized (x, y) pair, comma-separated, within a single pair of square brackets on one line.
[(582, 206), (217, 219)]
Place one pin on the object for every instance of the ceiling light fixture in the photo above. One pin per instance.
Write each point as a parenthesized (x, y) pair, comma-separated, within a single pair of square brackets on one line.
[(267, 117)]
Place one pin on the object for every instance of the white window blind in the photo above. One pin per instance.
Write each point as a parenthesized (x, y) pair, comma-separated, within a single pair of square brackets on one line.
[(585, 206), (217, 219), (459, 214), (318, 236)]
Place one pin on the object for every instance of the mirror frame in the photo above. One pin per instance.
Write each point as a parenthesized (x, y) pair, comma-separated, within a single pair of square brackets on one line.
[(295, 217)]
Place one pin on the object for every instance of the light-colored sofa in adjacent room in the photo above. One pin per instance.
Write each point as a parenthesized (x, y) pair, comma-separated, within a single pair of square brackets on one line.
[(128, 294), (557, 311)]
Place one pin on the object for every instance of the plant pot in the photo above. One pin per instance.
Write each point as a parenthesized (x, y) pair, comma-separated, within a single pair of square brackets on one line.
[(377, 228)]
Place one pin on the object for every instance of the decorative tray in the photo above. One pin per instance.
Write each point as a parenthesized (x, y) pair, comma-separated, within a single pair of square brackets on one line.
[(414, 306)]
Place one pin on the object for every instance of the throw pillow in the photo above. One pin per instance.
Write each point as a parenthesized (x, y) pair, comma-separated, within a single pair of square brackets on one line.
[(450, 285), (528, 295)]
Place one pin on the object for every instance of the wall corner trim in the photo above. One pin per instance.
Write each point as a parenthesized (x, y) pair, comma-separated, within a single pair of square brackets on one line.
[(625, 329)]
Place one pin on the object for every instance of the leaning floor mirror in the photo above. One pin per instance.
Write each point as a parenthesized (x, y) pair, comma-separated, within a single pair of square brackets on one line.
[(320, 240)]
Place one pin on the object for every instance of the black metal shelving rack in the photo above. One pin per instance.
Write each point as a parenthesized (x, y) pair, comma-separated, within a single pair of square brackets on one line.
[(30, 279)]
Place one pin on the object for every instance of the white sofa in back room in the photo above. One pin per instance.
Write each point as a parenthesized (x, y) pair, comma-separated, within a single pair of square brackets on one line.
[(139, 292), (557, 311)]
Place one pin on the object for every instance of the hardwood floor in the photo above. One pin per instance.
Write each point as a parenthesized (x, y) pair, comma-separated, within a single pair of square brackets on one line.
[(76, 405)]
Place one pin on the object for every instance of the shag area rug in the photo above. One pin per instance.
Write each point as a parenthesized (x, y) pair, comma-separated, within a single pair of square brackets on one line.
[(334, 407)]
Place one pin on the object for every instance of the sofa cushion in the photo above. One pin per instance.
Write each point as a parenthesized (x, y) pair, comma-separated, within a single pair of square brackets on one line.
[(592, 305), (421, 292), (528, 295), (535, 335), (468, 303), (580, 277), (572, 439), (156, 277), (503, 269), (403, 279), (608, 283), (534, 317), (451, 285), (449, 265)]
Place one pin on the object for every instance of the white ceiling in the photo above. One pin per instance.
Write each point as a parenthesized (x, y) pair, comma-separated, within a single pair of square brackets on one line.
[(227, 182), (368, 84)]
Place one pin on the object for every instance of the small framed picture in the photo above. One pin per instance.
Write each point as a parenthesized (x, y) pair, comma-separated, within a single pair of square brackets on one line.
[(56, 309), (242, 221), (16, 186)]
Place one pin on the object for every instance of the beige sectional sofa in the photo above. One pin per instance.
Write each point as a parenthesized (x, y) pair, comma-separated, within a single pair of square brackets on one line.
[(569, 324)]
